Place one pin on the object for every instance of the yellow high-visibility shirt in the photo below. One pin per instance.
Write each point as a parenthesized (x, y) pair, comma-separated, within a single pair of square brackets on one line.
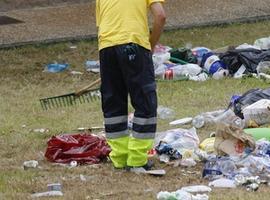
[(123, 21)]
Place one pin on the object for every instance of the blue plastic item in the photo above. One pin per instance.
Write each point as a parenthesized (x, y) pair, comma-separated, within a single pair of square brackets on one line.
[(199, 52), (56, 67), (212, 63)]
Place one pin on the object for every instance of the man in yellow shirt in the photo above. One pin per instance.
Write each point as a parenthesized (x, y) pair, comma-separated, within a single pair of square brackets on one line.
[(125, 45)]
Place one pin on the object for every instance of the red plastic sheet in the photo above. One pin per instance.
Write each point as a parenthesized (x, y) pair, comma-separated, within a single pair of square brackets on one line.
[(83, 148)]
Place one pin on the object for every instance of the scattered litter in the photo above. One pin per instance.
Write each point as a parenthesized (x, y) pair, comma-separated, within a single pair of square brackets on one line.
[(47, 194), (41, 130), (54, 187), (165, 113), (30, 164), (189, 162), (56, 67), (222, 183), (207, 145), (198, 121), (76, 73), (177, 142), (251, 96), (167, 151), (180, 195), (259, 112), (23, 126), (73, 164), (141, 170), (264, 67), (182, 121), (197, 189), (73, 47), (233, 141), (263, 43), (207, 118), (92, 66), (82, 178)]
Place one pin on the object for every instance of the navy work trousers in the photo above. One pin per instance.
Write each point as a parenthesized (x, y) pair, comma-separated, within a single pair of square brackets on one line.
[(128, 69)]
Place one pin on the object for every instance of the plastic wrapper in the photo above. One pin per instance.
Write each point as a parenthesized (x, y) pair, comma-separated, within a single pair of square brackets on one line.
[(83, 148), (179, 139)]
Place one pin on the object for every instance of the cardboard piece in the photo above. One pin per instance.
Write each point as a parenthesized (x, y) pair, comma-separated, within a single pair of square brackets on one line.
[(232, 141)]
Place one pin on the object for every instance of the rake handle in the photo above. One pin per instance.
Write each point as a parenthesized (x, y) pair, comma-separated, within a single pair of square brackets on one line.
[(86, 88)]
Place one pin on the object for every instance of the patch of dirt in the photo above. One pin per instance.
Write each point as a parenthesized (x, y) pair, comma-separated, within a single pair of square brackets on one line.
[(6, 5)]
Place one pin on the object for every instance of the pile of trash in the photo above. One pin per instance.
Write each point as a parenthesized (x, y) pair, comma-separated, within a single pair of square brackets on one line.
[(237, 154), (200, 63)]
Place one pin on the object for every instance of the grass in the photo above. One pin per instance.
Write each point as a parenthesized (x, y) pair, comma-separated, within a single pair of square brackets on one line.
[(23, 83)]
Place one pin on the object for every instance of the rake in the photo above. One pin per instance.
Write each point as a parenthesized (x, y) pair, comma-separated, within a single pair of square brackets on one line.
[(86, 94)]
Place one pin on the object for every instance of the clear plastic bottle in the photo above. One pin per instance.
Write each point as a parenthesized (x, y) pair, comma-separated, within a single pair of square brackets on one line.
[(198, 121), (229, 117), (165, 113), (206, 118), (227, 167)]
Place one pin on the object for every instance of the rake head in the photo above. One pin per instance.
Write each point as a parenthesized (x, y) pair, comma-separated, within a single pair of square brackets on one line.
[(69, 99)]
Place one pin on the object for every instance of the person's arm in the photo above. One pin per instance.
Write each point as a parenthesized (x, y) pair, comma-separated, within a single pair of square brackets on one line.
[(158, 23), (97, 13)]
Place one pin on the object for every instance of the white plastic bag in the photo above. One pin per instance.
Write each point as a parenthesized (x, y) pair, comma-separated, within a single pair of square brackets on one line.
[(263, 43), (182, 139)]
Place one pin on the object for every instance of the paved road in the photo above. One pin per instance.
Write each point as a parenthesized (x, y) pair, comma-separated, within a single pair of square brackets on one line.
[(78, 20)]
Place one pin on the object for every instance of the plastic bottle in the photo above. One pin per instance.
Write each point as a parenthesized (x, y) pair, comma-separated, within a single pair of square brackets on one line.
[(229, 117), (206, 118), (181, 71), (165, 113), (227, 167), (198, 121)]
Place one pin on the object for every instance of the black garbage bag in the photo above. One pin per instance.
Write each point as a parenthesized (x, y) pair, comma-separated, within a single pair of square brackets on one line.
[(249, 57), (248, 98)]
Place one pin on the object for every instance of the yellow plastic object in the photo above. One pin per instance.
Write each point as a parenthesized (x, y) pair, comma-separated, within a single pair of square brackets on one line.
[(208, 145)]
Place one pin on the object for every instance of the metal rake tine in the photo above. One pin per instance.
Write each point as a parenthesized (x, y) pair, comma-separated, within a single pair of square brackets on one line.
[(56, 103), (73, 99), (83, 98), (69, 100), (48, 105), (52, 103), (87, 98), (79, 99), (59, 102), (43, 106), (63, 101)]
